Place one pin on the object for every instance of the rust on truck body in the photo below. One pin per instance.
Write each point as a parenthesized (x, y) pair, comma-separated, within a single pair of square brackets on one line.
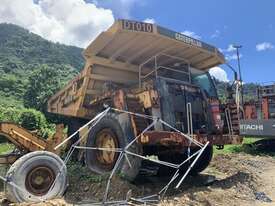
[(165, 138)]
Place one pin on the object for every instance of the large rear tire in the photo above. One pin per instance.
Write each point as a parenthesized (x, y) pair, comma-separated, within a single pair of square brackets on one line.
[(107, 133), (34, 173), (178, 158)]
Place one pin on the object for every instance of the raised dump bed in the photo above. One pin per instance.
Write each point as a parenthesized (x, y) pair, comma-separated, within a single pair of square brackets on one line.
[(117, 56)]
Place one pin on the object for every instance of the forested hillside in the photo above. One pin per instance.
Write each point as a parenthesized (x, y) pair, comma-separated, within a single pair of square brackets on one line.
[(249, 90), (22, 53), (31, 70)]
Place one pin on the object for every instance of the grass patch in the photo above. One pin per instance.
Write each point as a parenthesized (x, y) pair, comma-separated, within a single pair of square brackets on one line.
[(77, 173), (248, 146), (6, 148)]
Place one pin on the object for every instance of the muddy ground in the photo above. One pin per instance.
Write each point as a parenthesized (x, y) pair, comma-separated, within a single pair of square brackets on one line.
[(233, 179)]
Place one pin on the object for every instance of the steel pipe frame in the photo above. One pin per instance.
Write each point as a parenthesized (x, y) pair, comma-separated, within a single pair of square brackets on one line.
[(157, 67), (123, 153)]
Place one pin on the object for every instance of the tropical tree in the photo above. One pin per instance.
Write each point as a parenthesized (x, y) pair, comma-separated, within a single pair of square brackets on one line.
[(43, 83)]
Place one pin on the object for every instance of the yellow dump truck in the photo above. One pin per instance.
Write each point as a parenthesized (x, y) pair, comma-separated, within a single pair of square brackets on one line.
[(146, 69)]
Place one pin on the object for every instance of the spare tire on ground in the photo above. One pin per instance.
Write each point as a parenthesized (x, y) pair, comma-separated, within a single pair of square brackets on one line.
[(34, 174), (108, 133)]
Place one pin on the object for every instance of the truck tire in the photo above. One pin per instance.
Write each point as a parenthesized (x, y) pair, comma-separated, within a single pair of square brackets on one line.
[(107, 133), (34, 173), (203, 161), (177, 158)]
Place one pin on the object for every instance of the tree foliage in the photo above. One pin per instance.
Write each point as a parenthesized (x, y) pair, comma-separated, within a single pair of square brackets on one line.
[(43, 83), (30, 119), (249, 90), (31, 70), (22, 53)]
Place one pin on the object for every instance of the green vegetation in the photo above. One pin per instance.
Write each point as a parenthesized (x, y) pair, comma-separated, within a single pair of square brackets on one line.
[(30, 119), (78, 173), (250, 145), (23, 53), (249, 90), (236, 148), (31, 70), (43, 83), (5, 148)]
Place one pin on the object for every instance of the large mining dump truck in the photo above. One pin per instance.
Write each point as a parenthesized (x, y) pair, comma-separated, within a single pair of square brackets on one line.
[(147, 69), (140, 68)]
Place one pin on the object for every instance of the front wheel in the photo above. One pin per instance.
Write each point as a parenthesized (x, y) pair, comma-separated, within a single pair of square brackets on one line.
[(107, 133), (203, 161), (177, 158)]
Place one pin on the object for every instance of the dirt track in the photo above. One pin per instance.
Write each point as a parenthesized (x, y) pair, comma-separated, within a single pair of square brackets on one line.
[(239, 179)]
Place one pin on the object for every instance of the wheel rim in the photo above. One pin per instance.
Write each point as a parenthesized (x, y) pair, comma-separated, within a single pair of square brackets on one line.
[(106, 139), (39, 180)]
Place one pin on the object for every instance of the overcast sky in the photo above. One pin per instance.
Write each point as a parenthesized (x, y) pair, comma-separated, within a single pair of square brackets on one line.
[(218, 22)]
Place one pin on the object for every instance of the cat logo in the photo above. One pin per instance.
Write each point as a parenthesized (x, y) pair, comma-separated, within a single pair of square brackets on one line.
[(188, 40)]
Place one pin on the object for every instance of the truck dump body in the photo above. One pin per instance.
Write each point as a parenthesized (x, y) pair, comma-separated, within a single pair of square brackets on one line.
[(116, 56)]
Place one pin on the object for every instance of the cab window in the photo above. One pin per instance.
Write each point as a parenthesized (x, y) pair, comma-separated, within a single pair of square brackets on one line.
[(205, 82)]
